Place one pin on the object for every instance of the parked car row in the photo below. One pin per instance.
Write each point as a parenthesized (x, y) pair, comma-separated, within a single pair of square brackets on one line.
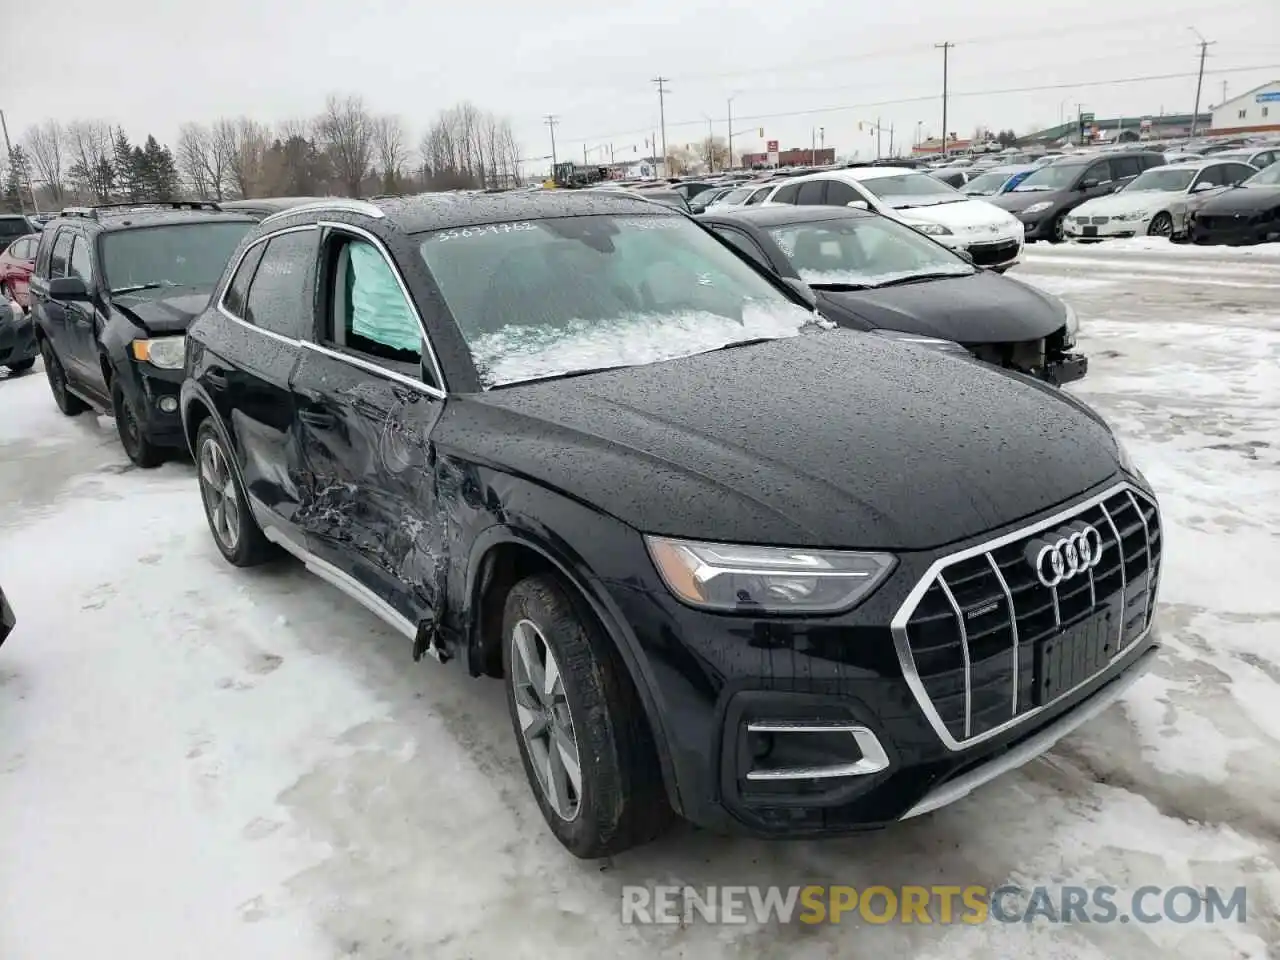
[(531, 433)]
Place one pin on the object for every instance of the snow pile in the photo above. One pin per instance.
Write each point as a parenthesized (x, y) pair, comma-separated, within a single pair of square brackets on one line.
[(1145, 246), (517, 353)]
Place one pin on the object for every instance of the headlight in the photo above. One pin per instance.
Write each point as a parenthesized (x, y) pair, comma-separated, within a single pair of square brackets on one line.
[(936, 343), (725, 576), (168, 353), (1038, 207), (1073, 326), (931, 229), (1132, 215)]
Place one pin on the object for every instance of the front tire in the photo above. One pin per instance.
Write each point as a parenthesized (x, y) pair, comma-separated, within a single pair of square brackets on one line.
[(583, 737), (1161, 226), (1057, 231), (133, 437), (21, 367), (67, 402)]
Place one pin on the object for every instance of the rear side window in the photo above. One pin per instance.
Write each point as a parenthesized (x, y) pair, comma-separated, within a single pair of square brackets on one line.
[(234, 299), (1150, 160), (282, 294), (841, 194), (61, 254), (787, 194), (812, 193), (1125, 167)]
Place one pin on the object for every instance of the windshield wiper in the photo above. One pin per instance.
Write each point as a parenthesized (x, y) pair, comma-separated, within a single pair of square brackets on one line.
[(840, 287), (153, 285), (918, 278), (747, 343), (560, 376)]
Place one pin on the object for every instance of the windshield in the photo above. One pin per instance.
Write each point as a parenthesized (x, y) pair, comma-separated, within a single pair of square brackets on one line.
[(863, 251), (181, 254), (1055, 176), (735, 197), (1167, 180), (986, 185), (1270, 177), (910, 190), (12, 227), (545, 298)]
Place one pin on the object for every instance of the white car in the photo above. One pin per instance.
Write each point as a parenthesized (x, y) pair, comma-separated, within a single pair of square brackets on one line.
[(1155, 202), (987, 234), (746, 195)]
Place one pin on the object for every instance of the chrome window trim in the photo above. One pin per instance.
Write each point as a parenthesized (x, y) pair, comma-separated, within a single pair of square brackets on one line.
[(375, 368), (404, 291), (335, 205), (898, 625), (222, 296)]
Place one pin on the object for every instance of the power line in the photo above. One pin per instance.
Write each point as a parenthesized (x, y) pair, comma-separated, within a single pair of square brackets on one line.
[(905, 101)]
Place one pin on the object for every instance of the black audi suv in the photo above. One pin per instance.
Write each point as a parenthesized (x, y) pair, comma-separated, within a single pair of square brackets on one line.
[(730, 561)]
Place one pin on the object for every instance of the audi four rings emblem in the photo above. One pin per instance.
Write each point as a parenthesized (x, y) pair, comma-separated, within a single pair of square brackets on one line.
[(1065, 554)]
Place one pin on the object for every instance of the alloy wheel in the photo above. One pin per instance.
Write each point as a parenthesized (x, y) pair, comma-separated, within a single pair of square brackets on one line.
[(221, 501), (1161, 226), (546, 724)]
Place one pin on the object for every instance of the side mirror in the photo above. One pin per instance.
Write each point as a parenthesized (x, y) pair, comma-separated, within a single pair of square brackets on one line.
[(1089, 184), (964, 255), (802, 288), (1203, 186), (858, 205), (68, 288)]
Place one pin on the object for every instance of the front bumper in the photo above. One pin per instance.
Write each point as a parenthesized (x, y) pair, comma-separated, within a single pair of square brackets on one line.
[(1233, 232), (1103, 228), (17, 336), (7, 619), (993, 251), (157, 404), (818, 726)]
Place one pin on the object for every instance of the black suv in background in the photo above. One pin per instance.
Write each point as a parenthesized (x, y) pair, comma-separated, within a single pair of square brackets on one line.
[(113, 291), (1043, 200), (730, 559)]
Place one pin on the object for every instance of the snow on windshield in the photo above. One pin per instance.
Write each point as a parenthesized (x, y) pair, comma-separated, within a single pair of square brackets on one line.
[(517, 353), (867, 251)]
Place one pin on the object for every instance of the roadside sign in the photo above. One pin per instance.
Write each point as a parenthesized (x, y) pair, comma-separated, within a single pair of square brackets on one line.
[(1146, 123), (1086, 118), (771, 146), (1270, 96)]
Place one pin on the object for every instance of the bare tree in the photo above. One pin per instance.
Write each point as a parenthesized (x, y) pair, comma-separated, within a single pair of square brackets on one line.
[(388, 141), (197, 162), (346, 129), (246, 143), (90, 149), (467, 147), (46, 147)]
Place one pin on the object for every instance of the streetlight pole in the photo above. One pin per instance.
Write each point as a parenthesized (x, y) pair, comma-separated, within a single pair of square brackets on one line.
[(662, 117), (731, 163), (946, 49)]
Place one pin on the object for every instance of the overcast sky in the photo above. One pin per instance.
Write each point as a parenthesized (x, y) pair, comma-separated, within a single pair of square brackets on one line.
[(791, 66)]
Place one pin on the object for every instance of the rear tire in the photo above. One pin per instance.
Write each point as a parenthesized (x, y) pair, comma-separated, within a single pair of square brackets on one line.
[(21, 367), (67, 402), (133, 438), (235, 531), (590, 718)]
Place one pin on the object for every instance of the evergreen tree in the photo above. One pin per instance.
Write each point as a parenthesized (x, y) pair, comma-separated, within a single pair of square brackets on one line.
[(125, 167), (17, 178)]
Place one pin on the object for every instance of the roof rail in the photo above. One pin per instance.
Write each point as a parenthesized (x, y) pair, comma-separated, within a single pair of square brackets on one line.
[(336, 204), (91, 213)]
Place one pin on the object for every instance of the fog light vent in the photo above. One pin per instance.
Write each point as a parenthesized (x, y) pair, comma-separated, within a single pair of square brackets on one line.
[(812, 751)]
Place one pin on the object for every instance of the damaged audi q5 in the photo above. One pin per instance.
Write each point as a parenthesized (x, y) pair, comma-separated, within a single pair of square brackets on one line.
[(731, 563)]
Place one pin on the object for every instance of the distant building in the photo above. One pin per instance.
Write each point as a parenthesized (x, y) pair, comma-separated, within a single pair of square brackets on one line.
[(1252, 112), (795, 157), (1119, 129)]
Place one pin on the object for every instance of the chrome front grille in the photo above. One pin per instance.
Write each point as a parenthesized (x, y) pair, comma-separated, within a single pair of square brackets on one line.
[(984, 644)]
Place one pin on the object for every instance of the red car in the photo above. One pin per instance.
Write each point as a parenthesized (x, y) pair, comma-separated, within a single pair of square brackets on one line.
[(16, 264)]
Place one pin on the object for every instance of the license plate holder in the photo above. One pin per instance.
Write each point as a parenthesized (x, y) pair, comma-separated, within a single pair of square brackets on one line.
[(1090, 231), (1069, 658)]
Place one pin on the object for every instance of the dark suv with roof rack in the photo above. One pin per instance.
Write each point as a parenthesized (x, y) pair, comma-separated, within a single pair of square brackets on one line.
[(113, 291), (729, 559)]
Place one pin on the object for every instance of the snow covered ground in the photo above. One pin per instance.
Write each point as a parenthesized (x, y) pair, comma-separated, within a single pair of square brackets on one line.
[(201, 762)]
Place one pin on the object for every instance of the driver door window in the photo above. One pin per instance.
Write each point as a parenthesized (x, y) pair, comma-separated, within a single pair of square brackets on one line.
[(1099, 172), (812, 193)]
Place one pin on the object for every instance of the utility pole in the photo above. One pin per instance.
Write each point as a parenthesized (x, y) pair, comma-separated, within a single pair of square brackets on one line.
[(551, 120), (878, 152), (891, 153), (813, 142), (1080, 123), (1224, 93), (731, 163), (8, 155), (711, 165), (946, 49), (662, 117), (1204, 51)]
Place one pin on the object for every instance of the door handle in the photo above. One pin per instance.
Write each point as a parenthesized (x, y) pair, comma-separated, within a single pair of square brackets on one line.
[(318, 419)]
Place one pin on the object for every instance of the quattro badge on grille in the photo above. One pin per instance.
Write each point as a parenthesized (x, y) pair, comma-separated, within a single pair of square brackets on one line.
[(1066, 553)]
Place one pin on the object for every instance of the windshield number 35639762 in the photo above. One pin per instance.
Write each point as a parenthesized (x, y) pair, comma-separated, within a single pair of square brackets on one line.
[(463, 233)]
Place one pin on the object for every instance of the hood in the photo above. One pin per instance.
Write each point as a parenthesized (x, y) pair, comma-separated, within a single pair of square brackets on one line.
[(838, 439), (158, 313), (1243, 200), (1115, 204), (1016, 202), (962, 217), (983, 308)]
